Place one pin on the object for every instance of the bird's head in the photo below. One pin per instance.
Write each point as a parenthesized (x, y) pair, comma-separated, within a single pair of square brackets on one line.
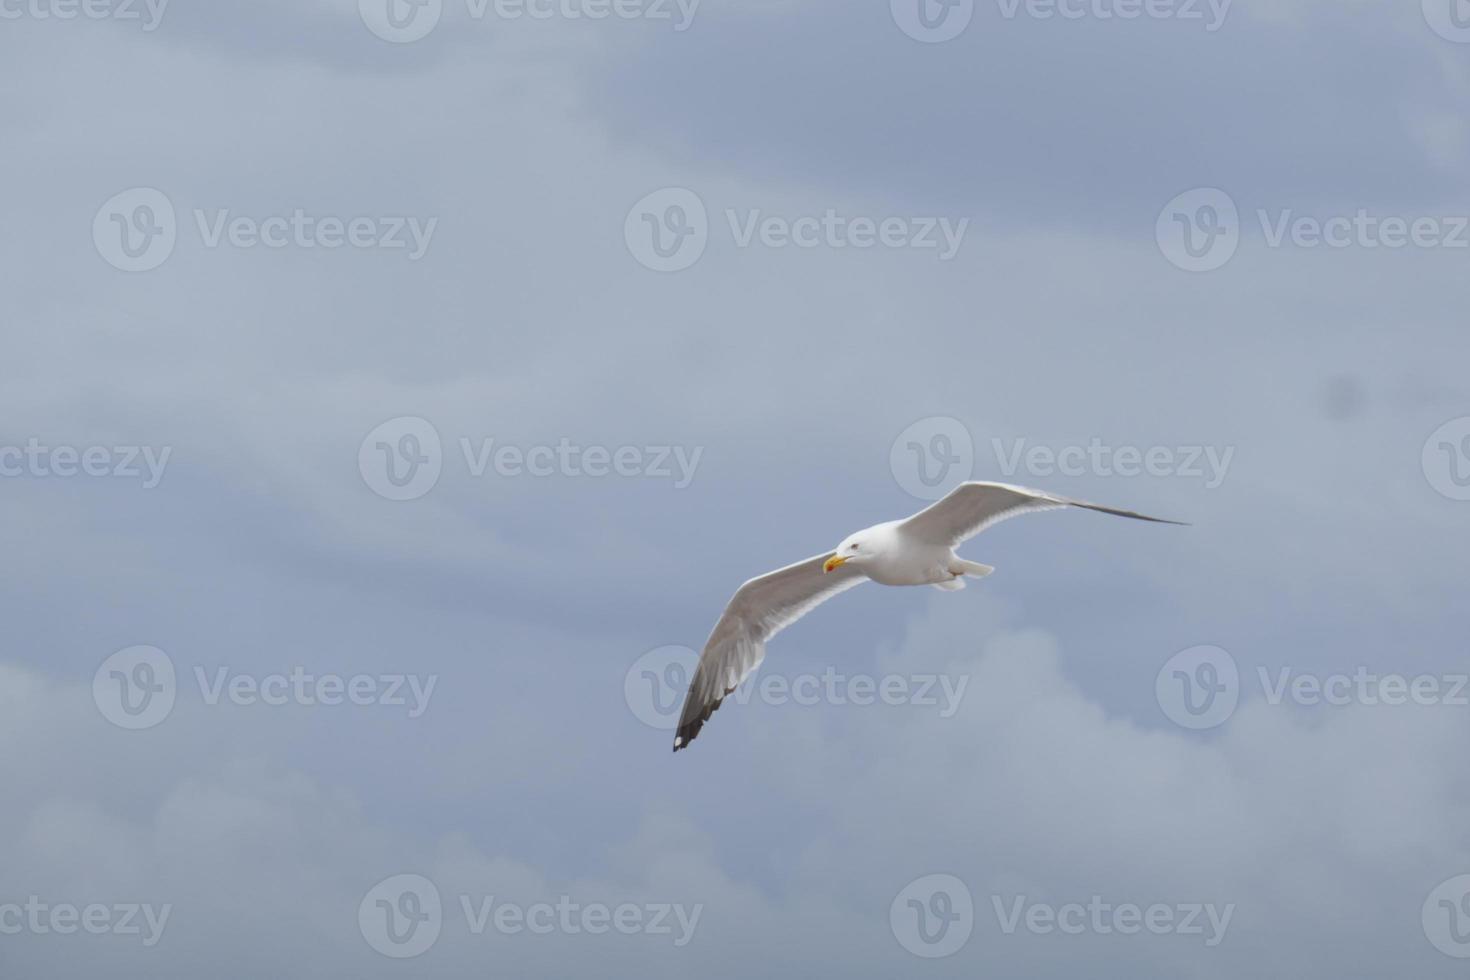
[(855, 550)]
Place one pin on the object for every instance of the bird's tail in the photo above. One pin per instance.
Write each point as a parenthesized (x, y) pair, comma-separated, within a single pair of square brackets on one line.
[(973, 568)]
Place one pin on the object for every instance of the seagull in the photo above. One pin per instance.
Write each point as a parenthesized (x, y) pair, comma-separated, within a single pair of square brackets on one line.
[(918, 550)]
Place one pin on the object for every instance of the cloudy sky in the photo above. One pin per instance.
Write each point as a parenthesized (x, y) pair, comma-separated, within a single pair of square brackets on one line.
[(393, 394)]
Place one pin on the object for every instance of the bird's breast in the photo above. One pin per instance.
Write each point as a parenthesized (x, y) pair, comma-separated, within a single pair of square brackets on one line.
[(911, 566)]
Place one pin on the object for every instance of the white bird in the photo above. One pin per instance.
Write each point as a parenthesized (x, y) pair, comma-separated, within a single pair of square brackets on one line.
[(918, 550)]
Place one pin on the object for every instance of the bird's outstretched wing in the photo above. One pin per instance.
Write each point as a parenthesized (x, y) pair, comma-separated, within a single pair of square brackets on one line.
[(761, 608), (972, 507)]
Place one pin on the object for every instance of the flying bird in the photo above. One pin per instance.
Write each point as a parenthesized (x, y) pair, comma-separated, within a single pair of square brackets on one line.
[(918, 550)]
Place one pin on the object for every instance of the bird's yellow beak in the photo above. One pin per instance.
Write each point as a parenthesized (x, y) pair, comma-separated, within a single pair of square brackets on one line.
[(833, 563)]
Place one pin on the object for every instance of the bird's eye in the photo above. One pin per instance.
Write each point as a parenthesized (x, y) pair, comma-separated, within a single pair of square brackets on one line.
[(853, 547)]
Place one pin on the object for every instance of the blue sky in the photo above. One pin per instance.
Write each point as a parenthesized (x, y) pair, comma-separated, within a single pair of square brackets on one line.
[(530, 154)]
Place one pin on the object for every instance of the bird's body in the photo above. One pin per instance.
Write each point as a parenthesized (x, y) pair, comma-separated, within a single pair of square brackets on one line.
[(918, 550), (900, 559)]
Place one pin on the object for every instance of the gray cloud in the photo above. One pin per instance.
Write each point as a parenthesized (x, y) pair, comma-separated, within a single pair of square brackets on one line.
[(528, 321)]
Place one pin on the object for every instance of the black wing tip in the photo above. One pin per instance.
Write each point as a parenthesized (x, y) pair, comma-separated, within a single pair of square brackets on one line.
[(686, 735), (689, 728), (1164, 520), (1127, 513)]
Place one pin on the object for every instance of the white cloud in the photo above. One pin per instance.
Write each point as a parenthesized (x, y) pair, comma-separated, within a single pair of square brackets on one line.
[(1031, 790)]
